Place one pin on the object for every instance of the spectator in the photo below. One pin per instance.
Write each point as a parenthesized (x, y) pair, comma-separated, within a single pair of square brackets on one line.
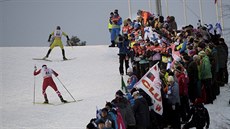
[(141, 111)]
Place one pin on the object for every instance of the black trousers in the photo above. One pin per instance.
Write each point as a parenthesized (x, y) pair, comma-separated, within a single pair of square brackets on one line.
[(123, 58)]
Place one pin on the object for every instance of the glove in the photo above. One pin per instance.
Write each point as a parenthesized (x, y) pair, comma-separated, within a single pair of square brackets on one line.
[(67, 38), (35, 68)]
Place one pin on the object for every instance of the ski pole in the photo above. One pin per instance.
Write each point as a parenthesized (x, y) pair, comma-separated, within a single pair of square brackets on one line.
[(34, 92), (66, 88), (34, 86)]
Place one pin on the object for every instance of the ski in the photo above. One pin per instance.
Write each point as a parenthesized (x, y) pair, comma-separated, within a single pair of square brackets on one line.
[(43, 103), (69, 59), (42, 59), (56, 104), (68, 102)]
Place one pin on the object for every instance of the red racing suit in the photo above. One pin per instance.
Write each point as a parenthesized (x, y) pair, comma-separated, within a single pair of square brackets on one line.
[(48, 80)]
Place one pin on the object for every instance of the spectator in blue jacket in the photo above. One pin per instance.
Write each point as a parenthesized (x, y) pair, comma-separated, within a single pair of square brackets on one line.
[(123, 46), (132, 79)]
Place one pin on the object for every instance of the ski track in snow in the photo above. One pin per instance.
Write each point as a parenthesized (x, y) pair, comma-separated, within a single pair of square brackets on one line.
[(93, 76)]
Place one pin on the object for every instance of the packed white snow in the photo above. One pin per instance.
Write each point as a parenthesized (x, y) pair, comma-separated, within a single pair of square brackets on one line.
[(91, 75)]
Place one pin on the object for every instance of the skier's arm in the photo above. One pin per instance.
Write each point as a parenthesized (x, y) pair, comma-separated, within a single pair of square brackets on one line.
[(50, 36), (65, 35), (55, 73), (37, 72)]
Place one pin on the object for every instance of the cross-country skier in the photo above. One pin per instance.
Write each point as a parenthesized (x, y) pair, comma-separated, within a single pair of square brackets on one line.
[(48, 81), (57, 41)]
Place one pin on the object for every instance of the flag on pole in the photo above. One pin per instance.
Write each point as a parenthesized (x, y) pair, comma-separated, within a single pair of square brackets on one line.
[(98, 113), (123, 85), (151, 84)]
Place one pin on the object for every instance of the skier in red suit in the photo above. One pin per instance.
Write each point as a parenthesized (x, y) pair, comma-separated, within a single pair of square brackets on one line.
[(48, 81)]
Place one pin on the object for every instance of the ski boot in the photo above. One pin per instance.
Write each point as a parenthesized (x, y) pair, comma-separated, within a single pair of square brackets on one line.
[(47, 55), (112, 44), (64, 58), (46, 101), (44, 57), (62, 100)]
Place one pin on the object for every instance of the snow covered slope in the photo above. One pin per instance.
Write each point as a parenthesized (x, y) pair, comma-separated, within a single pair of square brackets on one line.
[(91, 75)]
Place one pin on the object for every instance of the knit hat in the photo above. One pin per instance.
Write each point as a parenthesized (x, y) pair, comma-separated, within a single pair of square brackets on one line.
[(119, 93), (116, 11), (170, 79), (134, 91), (196, 57), (104, 110), (44, 65), (130, 70), (90, 126), (192, 52), (109, 104), (58, 28), (202, 54), (208, 50)]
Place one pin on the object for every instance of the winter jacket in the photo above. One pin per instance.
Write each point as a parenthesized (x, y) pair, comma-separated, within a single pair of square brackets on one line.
[(125, 110), (113, 115), (123, 47), (183, 49), (182, 82), (133, 81), (222, 56), (192, 71), (214, 61), (141, 112), (118, 21), (173, 97), (205, 68)]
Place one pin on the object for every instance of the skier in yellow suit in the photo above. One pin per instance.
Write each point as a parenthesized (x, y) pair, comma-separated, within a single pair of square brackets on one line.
[(57, 41)]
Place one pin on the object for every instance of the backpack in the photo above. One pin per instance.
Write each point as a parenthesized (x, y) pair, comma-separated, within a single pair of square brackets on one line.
[(200, 116)]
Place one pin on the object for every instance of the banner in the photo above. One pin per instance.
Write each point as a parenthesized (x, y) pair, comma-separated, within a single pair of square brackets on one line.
[(151, 84)]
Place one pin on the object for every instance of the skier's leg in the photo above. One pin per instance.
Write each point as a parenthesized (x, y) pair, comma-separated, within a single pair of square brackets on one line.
[(51, 47), (63, 54), (53, 85), (44, 86), (121, 61), (47, 55), (126, 63)]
